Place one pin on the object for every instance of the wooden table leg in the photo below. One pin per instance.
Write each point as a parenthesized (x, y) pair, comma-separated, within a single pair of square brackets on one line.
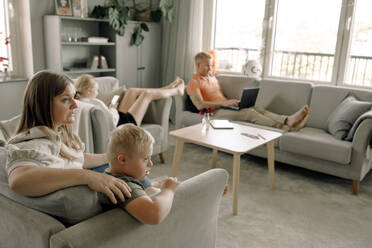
[(177, 156), (214, 158), (270, 162), (236, 175)]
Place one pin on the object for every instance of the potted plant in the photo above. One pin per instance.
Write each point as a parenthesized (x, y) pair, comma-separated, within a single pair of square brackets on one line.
[(120, 11)]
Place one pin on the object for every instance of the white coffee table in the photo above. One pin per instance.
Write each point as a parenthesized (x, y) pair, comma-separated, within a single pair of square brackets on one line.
[(230, 141)]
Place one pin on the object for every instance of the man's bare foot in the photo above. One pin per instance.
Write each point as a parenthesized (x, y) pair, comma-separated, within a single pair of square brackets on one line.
[(286, 128), (301, 124), (225, 190), (296, 118)]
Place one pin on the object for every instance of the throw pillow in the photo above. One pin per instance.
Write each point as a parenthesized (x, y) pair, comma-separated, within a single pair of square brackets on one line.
[(344, 116), (9, 127)]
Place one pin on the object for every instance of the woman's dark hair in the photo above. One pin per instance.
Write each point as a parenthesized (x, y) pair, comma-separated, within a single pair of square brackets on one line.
[(37, 109), (38, 99)]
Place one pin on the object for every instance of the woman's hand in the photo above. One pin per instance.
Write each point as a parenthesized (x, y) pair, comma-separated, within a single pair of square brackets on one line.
[(108, 185)]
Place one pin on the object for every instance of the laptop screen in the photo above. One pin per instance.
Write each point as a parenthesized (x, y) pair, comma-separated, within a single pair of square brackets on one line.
[(248, 98)]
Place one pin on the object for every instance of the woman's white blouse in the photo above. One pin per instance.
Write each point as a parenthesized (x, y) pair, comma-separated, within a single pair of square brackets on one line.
[(35, 148)]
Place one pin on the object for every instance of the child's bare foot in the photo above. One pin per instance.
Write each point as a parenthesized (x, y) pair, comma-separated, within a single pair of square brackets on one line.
[(173, 84), (301, 124), (225, 190), (296, 118), (180, 86)]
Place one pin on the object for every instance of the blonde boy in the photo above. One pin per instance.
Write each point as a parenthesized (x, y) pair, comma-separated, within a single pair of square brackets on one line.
[(129, 154)]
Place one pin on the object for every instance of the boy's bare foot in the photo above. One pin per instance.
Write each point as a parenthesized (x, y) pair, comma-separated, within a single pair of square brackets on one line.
[(296, 118), (225, 190), (301, 124)]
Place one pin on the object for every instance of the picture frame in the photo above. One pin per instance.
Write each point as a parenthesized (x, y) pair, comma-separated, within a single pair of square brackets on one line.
[(77, 8), (63, 7)]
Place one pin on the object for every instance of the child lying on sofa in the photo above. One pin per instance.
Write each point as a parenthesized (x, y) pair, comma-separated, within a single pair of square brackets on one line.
[(129, 154)]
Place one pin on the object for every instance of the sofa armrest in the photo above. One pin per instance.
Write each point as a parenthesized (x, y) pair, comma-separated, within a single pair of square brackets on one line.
[(192, 221), (32, 228), (362, 136), (158, 113), (101, 130), (180, 108)]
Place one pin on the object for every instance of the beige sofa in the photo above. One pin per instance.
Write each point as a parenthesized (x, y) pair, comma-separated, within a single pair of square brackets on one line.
[(313, 147)]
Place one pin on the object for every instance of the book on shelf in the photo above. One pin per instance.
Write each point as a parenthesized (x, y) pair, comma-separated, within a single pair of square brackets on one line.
[(96, 39)]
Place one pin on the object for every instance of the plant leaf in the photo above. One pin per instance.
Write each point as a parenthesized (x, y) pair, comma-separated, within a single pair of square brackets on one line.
[(156, 15), (169, 16), (145, 27)]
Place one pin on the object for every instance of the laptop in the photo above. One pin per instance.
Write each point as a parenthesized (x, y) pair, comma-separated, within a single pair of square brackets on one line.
[(247, 100)]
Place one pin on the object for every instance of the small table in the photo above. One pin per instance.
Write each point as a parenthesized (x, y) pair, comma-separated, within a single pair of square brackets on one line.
[(230, 141)]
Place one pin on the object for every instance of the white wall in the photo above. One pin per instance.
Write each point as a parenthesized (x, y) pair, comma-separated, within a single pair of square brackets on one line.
[(11, 95)]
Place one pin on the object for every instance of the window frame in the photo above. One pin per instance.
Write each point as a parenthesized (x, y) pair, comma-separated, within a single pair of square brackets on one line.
[(17, 40), (341, 54)]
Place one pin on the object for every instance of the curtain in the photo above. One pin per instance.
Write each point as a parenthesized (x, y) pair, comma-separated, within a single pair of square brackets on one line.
[(182, 39)]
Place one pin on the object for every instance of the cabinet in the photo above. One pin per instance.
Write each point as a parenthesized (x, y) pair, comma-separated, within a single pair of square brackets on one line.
[(67, 47), (139, 67)]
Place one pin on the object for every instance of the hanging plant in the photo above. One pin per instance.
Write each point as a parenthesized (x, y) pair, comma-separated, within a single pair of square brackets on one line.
[(118, 12), (137, 36)]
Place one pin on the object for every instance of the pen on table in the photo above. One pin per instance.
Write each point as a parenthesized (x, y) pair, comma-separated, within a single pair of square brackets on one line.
[(259, 135), (250, 135)]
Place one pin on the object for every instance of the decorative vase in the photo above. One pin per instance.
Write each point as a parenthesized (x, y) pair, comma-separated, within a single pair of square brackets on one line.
[(205, 122)]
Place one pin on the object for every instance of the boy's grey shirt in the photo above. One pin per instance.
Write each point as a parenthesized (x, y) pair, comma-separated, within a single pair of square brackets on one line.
[(137, 191)]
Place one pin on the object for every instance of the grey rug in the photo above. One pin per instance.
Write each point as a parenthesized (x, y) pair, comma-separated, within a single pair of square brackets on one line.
[(306, 209)]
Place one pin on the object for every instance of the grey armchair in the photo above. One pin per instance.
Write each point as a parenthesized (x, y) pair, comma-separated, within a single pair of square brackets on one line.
[(156, 119)]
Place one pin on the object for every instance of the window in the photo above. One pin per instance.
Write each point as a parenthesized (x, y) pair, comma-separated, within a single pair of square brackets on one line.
[(316, 40), (359, 61), (238, 32), (305, 39), (5, 52)]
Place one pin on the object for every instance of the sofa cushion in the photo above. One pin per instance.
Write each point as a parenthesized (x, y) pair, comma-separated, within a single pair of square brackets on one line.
[(343, 117), (325, 99), (316, 143), (71, 204), (283, 97), (8, 127), (232, 85)]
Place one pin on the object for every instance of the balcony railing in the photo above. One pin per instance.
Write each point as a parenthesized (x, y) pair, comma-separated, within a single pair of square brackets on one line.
[(301, 65)]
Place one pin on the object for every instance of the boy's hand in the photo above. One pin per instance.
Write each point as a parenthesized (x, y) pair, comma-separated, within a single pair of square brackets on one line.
[(170, 183)]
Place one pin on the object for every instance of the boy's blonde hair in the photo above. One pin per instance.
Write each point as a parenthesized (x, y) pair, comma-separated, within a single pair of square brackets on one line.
[(130, 140), (83, 83), (202, 55)]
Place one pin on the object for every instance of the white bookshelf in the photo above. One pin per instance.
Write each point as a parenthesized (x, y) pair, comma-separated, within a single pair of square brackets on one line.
[(65, 52)]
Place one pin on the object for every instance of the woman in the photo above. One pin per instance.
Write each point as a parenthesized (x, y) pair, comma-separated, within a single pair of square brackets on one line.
[(45, 155), (135, 102)]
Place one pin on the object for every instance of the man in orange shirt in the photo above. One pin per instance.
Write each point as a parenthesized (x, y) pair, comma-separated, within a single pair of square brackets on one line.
[(205, 92)]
